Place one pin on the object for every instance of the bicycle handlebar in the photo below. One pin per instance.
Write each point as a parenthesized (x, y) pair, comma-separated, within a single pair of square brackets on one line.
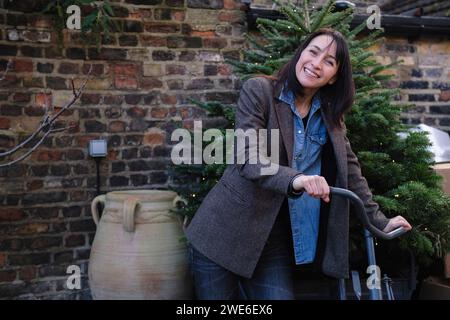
[(362, 215)]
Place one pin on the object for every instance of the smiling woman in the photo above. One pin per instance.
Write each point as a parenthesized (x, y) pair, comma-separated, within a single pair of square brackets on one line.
[(251, 229)]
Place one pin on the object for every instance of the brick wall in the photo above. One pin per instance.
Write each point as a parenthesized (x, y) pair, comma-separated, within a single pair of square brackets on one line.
[(168, 51), (423, 77)]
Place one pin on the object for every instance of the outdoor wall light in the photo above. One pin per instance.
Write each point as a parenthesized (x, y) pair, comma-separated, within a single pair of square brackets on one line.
[(98, 150)]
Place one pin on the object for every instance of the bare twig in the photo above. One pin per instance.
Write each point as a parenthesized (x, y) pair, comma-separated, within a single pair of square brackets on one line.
[(8, 67), (46, 124)]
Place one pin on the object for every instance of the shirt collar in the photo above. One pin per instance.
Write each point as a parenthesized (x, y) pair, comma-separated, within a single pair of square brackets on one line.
[(287, 96)]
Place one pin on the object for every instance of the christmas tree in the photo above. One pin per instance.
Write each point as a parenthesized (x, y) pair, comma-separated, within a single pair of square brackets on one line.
[(396, 162)]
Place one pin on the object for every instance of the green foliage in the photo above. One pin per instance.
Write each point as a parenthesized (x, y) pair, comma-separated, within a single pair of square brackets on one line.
[(96, 23), (396, 162)]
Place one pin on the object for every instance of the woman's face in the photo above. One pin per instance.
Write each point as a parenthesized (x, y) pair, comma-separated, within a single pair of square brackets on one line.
[(317, 65)]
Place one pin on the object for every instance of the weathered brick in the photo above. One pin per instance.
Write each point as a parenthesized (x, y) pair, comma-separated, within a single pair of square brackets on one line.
[(441, 85), (68, 68), (11, 110), (45, 67), (175, 69), (75, 154), (107, 54), (43, 212), (159, 113), (29, 51), (159, 55), (47, 155), (133, 98), (421, 97), (200, 84), (53, 52), (23, 65), (225, 70), (28, 259), (82, 225), (133, 26), (34, 111), (137, 112), (152, 41), (145, 152), (21, 97), (80, 169), (33, 82), (94, 126), (90, 98), (175, 84), (57, 83), (175, 3), (186, 56), (118, 181), (138, 125), (133, 140), (11, 214), (38, 198), (6, 141), (210, 70), (150, 83), (76, 53), (11, 244), (161, 151), (150, 99), (34, 185), (125, 83), (205, 4), (130, 153), (64, 256), (154, 138), (89, 113), (128, 40), (440, 109), (138, 180), (27, 273), (162, 27), (117, 126), (2, 259), (117, 166), (216, 43), (414, 85), (184, 42), (7, 50), (7, 275), (42, 243), (113, 112), (52, 271), (75, 240), (5, 123), (113, 100), (39, 170)]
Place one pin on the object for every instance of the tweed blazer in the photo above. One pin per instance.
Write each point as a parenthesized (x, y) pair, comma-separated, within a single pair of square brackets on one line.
[(234, 220)]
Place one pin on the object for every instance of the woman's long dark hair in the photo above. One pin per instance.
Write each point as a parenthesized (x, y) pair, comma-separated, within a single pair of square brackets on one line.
[(337, 98)]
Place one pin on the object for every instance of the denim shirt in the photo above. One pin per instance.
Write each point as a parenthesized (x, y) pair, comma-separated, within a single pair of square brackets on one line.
[(305, 210)]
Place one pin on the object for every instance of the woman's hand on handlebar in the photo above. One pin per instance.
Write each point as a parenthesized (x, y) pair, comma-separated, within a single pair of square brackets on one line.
[(316, 186), (397, 222)]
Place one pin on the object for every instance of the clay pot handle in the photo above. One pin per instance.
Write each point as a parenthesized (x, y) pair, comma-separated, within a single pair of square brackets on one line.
[(98, 199), (129, 209), (175, 201)]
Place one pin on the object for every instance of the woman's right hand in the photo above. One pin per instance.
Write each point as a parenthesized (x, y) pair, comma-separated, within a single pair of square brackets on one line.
[(316, 186)]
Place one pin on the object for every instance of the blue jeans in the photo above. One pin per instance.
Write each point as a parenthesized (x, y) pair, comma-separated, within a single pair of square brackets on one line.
[(272, 279)]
